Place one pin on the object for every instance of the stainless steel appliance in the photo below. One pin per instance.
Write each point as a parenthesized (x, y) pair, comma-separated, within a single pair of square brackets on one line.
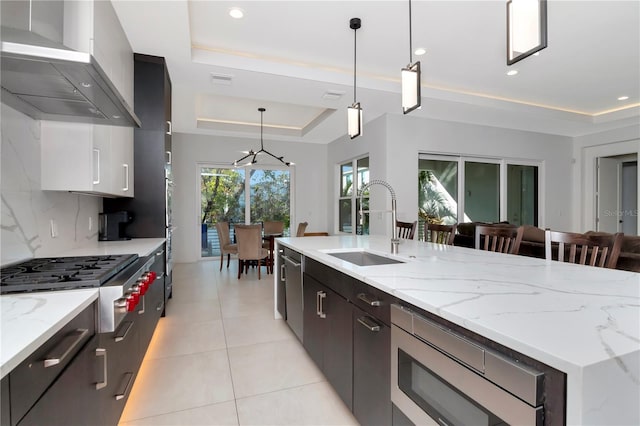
[(112, 226), (441, 377), (122, 280), (293, 290)]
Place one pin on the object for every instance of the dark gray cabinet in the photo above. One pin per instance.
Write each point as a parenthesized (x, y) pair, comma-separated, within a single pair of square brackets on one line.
[(328, 335), (371, 369), (347, 333), (152, 303), (58, 378)]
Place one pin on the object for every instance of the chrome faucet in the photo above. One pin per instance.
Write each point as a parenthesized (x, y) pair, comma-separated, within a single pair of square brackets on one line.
[(394, 230)]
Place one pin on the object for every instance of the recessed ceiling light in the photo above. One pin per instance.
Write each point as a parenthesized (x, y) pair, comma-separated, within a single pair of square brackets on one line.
[(236, 12), (512, 72), (420, 51), (623, 98)]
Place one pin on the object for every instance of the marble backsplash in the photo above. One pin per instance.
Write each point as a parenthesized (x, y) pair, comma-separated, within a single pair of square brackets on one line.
[(27, 212)]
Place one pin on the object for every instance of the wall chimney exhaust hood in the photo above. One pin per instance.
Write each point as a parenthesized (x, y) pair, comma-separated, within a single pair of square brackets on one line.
[(48, 81)]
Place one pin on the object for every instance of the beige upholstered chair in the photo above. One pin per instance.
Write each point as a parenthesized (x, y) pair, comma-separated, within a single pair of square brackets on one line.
[(440, 234), (226, 247), (501, 239), (273, 227), (250, 247), (406, 230), (302, 226), (600, 249)]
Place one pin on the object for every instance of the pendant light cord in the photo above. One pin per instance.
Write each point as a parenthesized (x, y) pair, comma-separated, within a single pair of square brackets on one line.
[(410, 40), (261, 141), (354, 63)]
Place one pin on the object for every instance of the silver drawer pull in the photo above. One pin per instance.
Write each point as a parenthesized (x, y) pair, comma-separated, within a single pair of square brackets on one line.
[(160, 306), (369, 324), (160, 253), (126, 326), (283, 278), (120, 395), (291, 261), (366, 299), (103, 353), (65, 347)]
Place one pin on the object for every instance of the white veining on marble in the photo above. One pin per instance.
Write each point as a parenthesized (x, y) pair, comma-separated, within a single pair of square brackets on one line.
[(27, 210)]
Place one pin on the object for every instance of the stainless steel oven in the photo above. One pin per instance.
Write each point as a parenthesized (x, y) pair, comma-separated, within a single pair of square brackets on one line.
[(440, 377)]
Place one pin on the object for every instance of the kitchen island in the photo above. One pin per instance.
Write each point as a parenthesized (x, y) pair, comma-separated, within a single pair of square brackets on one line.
[(582, 321)]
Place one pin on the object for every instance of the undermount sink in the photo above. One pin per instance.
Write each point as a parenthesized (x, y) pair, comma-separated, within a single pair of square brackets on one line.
[(364, 258)]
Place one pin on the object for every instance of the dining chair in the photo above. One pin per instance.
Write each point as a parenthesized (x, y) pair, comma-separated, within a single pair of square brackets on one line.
[(302, 226), (273, 227), (224, 239), (316, 234), (271, 230), (440, 234), (406, 230), (601, 250), (250, 247), (500, 239)]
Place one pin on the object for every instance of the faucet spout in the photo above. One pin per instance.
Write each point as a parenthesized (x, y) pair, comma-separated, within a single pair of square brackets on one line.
[(394, 230)]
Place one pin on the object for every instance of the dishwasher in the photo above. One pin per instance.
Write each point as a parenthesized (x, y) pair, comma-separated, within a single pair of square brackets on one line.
[(293, 290)]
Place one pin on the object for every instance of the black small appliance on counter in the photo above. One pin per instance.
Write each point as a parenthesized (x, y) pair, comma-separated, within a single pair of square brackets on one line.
[(112, 226)]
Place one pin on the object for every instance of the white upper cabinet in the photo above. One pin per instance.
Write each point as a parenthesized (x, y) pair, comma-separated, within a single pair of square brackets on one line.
[(87, 158)]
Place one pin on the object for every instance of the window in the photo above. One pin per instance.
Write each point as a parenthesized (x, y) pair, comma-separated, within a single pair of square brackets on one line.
[(457, 189), (241, 195), (353, 176)]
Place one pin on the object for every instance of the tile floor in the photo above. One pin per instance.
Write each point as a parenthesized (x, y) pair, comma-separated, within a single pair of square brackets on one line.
[(220, 358)]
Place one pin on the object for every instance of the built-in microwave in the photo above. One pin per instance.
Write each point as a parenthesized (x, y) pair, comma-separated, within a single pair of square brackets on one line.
[(440, 377)]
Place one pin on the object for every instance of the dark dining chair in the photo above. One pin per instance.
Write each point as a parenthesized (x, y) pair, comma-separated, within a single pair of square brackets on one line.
[(250, 247), (406, 230), (601, 250), (500, 239), (440, 234)]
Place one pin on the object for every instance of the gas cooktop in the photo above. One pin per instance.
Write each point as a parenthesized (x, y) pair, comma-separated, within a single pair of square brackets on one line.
[(62, 273)]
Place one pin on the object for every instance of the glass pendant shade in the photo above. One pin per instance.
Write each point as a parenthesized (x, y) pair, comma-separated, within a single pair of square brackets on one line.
[(411, 87), (354, 120)]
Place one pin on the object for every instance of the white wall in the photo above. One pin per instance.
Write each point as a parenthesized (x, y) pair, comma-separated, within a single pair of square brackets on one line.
[(309, 182), (586, 149), (394, 143), (26, 210)]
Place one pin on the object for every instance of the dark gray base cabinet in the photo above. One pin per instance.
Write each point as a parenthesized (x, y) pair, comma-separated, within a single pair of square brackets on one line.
[(347, 334), (328, 335), (72, 399), (371, 370)]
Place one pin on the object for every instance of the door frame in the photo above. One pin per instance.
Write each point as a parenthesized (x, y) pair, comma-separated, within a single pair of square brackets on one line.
[(198, 194)]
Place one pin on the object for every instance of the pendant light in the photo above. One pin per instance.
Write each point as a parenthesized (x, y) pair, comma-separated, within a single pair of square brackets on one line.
[(410, 79), (526, 28), (254, 154), (354, 112)]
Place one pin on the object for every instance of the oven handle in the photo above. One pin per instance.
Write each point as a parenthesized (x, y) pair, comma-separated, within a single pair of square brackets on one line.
[(70, 341)]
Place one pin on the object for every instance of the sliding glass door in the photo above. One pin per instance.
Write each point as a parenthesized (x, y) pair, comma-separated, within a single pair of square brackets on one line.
[(454, 189), (241, 195)]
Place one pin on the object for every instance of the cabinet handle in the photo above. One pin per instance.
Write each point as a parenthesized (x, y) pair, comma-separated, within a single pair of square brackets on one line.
[(321, 296), (120, 395), (168, 157), (65, 347), (288, 259), (366, 299), (96, 166), (103, 353), (282, 274), (370, 324), (160, 276), (160, 306), (169, 127), (126, 177), (126, 326), (160, 253)]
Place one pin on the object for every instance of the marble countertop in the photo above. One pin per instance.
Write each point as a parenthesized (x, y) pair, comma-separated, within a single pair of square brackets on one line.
[(581, 320), (30, 319)]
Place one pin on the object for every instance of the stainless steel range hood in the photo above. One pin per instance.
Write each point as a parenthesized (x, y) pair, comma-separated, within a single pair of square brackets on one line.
[(48, 81)]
